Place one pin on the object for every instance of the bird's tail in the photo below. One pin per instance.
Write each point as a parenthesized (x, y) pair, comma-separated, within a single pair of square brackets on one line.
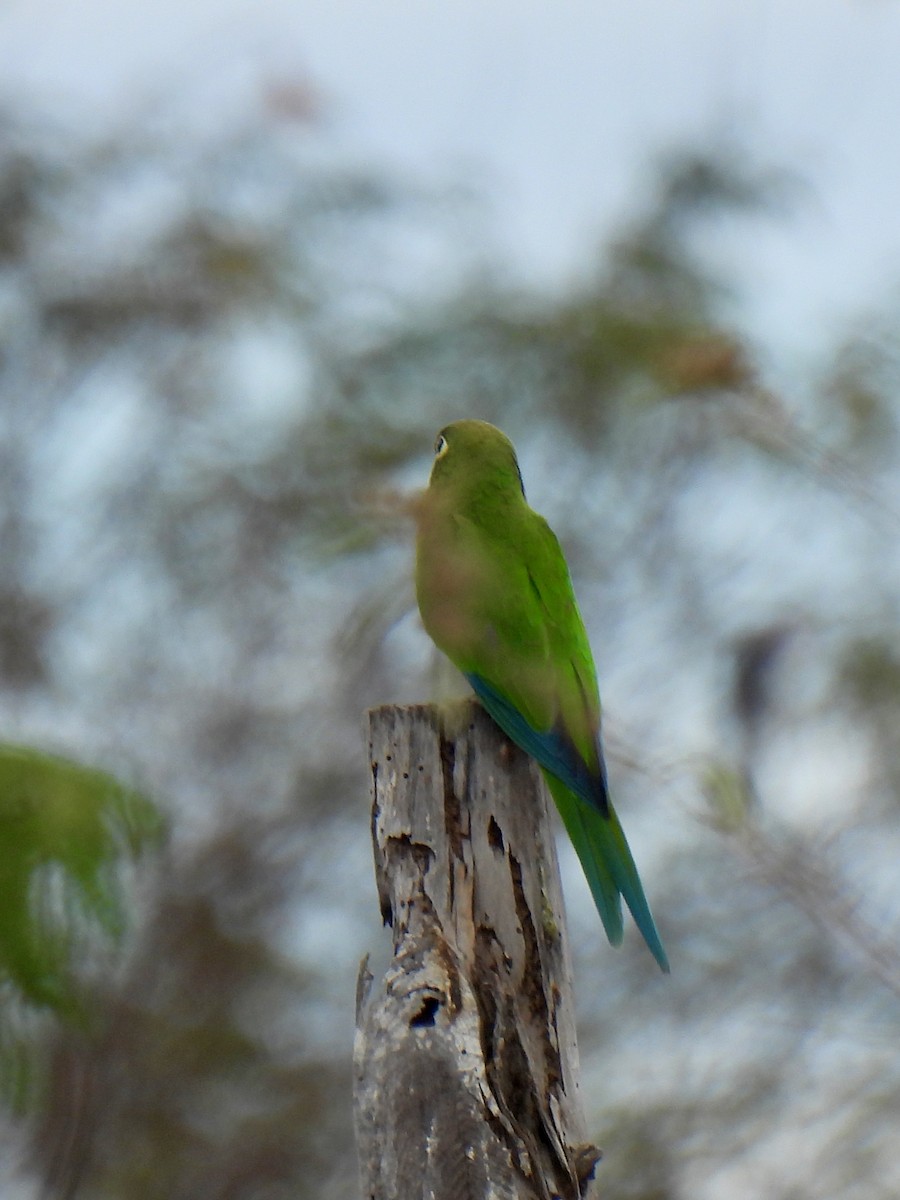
[(601, 846)]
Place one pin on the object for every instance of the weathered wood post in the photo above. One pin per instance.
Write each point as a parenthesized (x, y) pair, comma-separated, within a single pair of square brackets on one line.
[(466, 1064)]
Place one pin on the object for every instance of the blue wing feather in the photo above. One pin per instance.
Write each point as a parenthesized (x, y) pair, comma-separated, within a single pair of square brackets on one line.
[(551, 748)]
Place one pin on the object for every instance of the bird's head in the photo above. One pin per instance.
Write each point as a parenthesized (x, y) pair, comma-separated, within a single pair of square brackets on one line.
[(474, 454)]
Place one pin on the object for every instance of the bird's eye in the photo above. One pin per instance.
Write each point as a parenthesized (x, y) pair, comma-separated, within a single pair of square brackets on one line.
[(441, 446)]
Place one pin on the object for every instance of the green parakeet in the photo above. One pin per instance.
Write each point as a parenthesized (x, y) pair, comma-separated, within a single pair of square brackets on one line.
[(495, 595)]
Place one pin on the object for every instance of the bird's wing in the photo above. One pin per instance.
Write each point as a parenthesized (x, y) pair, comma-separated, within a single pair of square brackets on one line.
[(534, 671)]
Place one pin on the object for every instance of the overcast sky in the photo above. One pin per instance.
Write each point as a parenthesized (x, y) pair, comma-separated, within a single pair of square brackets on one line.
[(553, 109)]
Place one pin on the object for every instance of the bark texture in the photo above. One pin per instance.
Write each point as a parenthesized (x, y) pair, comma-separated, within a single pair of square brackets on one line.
[(466, 1065)]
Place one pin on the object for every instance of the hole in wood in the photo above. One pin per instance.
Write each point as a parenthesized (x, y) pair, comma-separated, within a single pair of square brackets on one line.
[(495, 837), (427, 1013)]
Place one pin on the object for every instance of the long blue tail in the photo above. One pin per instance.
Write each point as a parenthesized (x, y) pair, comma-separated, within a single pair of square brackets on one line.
[(588, 816), (601, 846)]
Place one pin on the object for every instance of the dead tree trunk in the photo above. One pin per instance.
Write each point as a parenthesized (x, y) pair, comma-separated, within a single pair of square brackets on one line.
[(466, 1065)]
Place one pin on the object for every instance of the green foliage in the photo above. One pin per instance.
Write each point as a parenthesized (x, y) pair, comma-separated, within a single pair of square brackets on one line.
[(727, 796), (870, 676), (64, 832), (871, 671), (206, 1080)]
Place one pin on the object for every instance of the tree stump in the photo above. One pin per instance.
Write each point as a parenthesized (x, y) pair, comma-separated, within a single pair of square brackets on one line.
[(465, 1059)]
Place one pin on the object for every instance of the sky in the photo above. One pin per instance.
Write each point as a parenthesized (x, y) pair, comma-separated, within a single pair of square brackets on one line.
[(553, 111)]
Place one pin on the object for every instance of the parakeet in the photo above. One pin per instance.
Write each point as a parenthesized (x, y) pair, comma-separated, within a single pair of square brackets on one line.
[(495, 596)]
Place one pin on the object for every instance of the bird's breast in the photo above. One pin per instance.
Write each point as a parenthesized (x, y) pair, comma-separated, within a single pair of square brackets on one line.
[(456, 584)]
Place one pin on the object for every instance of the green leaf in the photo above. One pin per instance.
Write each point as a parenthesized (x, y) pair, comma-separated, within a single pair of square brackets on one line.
[(64, 831)]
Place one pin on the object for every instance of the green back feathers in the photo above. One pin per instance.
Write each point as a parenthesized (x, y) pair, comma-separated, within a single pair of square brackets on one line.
[(494, 589)]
